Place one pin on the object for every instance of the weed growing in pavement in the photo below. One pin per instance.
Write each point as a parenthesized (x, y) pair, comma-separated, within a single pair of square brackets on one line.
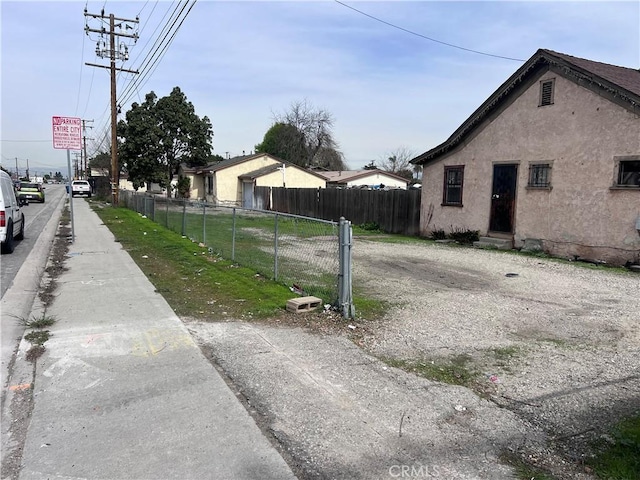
[(37, 322), (38, 337), (619, 458)]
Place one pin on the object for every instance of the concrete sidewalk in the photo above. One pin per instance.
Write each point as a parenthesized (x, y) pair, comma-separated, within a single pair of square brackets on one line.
[(122, 391)]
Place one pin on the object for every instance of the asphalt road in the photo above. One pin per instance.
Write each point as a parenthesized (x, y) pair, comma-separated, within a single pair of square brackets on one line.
[(22, 270), (36, 216)]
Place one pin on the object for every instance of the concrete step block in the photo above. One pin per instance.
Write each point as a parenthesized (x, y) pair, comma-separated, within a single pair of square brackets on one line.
[(303, 304), (490, 242)]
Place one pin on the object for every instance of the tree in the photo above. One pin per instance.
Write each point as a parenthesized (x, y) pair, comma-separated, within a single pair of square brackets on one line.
[(398, 162), (160, 134), (183, 187), (101, 163), (371, 165), (303, 136)]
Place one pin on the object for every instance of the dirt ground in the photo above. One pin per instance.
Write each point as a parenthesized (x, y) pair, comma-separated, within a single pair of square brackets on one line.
[(553, 346)]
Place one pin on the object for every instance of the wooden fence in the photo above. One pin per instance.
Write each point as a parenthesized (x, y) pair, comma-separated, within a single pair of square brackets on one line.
[(395, 211)]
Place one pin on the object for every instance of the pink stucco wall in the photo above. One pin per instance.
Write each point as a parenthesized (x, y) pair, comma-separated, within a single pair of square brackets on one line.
[(580, 135)]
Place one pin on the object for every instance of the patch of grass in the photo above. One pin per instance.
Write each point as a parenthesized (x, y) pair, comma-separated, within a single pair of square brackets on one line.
[(524, 470), (505, 354), (195, 282), (620, 459), (559, 342), (454, 371), (38, 337)]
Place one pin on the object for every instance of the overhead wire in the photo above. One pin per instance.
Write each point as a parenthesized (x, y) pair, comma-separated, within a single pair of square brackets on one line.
[(156, 63), (153, 56), (426, 37)]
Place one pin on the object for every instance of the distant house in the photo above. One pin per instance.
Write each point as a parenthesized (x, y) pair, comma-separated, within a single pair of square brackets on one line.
[(364, 179), (232, 181), (551, 159)]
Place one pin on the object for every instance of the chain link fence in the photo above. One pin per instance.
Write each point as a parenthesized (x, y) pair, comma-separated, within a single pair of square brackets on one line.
[(311, 256)]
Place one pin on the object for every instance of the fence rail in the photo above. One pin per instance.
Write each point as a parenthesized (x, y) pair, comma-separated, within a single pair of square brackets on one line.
[(311, 256), (395, 211)]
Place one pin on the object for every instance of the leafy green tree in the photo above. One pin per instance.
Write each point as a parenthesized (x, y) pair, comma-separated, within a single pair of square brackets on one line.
[(160, 134)]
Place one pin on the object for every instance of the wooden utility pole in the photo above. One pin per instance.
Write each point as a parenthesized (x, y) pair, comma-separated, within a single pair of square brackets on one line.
[(114, 54), (84, 140)]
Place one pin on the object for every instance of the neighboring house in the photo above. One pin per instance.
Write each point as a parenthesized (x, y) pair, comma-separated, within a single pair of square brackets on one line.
[(551, 158), (364, 179), (232, 181)]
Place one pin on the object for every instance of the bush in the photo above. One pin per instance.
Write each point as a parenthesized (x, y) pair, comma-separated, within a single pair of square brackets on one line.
[(464, 236), (438, 234), (370, 227)]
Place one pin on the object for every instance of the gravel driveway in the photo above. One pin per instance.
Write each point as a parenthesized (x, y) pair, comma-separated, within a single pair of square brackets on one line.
[(552, 348), (572, 333)]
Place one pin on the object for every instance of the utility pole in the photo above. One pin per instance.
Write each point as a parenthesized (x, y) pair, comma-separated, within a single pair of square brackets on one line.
[(121, 53), (84, 139), (28, 177), (75, 169), (17, 171)]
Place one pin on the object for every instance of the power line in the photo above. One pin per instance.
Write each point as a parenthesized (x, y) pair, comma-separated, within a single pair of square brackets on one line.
[(154, 57), (161, 55), (427, 38)]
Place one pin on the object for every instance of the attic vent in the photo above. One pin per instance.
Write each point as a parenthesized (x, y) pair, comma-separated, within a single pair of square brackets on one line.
[(546, 92)]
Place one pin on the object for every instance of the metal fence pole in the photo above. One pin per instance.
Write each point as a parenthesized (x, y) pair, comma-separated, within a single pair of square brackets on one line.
[(153, 208), (233, 237), (166, 217), (345, 300), (275, 249), (184, 218), (204, 222)]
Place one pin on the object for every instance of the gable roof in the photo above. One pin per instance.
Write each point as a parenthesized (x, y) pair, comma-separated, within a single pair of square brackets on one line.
[(229, 162), (274, 168), (618, 84), (346, 176)]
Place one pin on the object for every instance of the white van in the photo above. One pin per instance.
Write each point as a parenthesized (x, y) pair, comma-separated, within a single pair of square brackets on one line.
[(11, 218)]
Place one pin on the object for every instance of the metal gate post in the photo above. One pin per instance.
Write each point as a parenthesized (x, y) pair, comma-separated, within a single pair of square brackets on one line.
[(275, 249), (233, 237), (345, 300), (184, 218), (204, 222)]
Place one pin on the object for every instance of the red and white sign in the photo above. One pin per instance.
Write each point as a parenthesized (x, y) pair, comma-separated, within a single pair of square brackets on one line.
[(67, 133)]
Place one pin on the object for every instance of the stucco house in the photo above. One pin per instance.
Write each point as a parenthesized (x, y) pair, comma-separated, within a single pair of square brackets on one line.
[(364, 178), (232, 181), (550, 159)]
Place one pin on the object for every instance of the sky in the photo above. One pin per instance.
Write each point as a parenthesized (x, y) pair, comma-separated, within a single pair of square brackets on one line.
[(394, 74)]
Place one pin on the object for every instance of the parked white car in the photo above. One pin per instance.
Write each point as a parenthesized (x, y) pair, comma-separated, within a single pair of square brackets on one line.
[(80, 187), (11, 218)]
